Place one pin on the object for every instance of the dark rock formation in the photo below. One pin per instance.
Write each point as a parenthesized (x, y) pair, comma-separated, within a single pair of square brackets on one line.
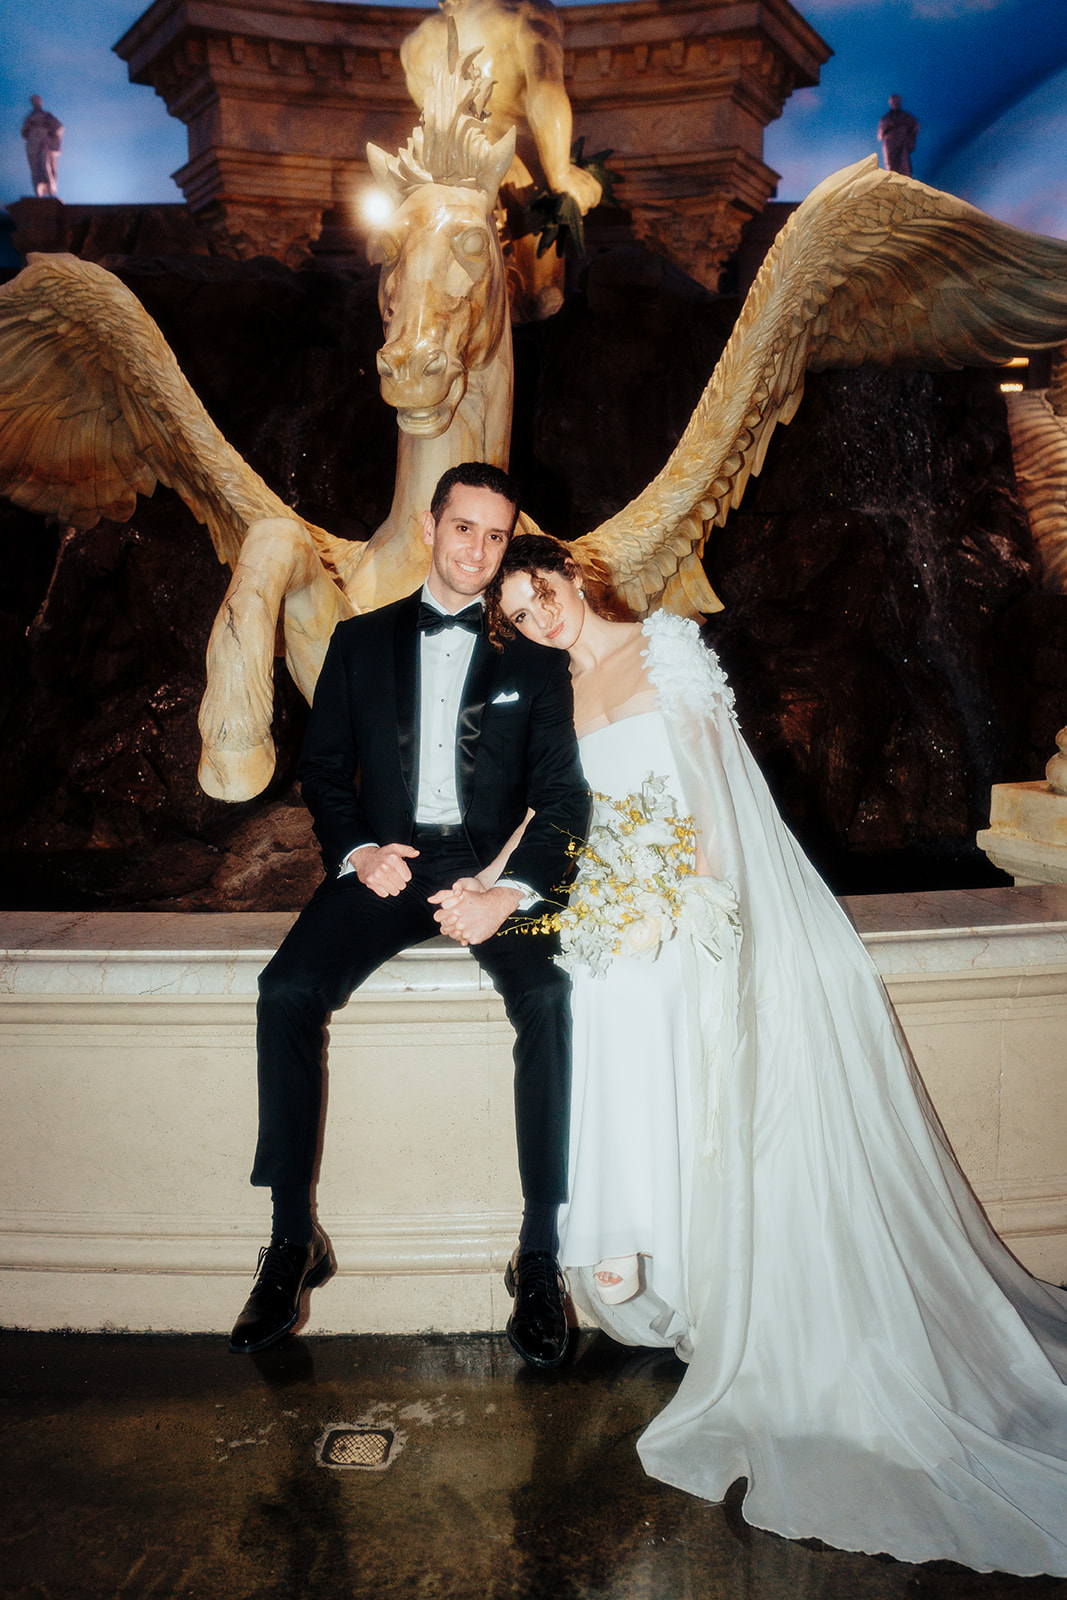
[(100, 803), (105, 233), (890, 655), (869, 582)]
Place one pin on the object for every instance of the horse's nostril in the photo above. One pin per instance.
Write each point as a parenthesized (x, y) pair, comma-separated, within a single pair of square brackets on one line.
[(384, 368), (436, 364)]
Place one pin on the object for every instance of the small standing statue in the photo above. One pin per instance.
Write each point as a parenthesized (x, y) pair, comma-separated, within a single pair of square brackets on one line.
[(896, 133), (43, 134)]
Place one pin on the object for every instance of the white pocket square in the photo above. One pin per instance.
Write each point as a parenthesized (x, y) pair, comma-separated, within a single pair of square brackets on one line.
[(505, 699)]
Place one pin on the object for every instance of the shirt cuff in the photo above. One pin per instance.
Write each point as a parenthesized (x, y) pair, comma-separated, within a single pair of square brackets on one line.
[(529, 897), (346, 865)]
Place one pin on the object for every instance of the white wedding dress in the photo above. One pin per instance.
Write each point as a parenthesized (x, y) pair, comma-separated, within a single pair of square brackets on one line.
[(862, 1349)]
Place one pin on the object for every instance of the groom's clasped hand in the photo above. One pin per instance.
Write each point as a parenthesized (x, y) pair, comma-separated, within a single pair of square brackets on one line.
[(384, 868), (470, 913)]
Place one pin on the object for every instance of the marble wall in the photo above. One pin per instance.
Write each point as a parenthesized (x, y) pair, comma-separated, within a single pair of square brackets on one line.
[(129, 1106)]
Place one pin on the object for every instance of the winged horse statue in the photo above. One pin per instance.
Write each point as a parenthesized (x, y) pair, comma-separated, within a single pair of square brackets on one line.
[(872, 268)]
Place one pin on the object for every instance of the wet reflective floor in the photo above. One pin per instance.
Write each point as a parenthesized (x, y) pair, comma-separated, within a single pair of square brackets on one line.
[(166, 1467)]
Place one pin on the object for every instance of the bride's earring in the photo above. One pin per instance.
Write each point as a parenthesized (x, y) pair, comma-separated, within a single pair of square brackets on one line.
[(581, 592)]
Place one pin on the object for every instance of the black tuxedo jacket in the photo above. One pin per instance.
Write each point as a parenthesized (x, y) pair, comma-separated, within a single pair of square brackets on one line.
[(516, 747)]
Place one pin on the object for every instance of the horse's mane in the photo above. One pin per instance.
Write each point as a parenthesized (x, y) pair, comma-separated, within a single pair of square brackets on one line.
[(450, 145)]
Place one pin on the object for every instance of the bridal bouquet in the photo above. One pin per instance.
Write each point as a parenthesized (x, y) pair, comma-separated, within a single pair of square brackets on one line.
[(636, 884)]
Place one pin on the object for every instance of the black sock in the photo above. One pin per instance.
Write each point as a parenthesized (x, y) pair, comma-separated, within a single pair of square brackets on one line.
[(292, 1213), (538, 1231)]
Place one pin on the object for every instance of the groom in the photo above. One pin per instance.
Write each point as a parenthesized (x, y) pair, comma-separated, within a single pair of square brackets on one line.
[(425, 749)]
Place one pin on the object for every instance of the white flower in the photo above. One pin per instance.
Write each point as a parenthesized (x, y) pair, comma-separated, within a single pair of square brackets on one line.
[(653, 836), (643, 937), (650, 903)]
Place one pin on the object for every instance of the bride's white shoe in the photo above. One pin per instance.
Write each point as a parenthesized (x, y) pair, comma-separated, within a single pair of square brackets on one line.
[(617, 1279)]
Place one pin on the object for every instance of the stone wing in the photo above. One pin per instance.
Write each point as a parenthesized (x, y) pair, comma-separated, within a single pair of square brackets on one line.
[(872, 268), (94, 410)]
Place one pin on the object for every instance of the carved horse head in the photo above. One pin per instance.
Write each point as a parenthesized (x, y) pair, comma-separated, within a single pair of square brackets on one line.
[(442, 289)]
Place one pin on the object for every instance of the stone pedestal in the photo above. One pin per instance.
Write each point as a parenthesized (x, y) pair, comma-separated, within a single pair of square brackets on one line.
[(281, 99), (1027, 833)]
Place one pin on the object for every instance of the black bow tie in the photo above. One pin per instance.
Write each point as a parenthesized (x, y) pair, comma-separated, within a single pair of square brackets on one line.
[(432, 621)]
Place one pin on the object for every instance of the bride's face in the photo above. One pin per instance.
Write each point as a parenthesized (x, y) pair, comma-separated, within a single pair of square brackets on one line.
[(544, 607)]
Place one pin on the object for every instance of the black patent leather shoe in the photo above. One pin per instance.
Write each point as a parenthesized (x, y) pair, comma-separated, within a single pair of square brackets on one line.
[(537, 1328), (283, 1273)]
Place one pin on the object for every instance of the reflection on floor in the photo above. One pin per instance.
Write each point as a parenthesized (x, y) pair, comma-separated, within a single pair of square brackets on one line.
[(165, 1467)]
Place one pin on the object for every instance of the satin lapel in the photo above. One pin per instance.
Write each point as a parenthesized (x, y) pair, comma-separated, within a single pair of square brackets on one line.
[(405, 665), (475, 694)]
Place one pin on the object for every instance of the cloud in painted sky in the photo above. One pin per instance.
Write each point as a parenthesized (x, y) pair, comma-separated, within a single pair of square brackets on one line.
[(935, 10), (948, 10)]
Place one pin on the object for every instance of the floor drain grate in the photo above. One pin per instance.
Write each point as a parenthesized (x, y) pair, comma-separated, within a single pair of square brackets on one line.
[(369, 1448)]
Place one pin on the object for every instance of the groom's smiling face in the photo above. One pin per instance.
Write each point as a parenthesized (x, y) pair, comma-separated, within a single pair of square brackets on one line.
[(467, 543)]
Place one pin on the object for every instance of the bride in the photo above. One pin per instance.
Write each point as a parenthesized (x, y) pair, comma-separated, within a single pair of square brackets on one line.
[(758, 1178)]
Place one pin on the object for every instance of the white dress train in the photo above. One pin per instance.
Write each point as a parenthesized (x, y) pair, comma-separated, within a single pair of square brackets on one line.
[(861, 1347)]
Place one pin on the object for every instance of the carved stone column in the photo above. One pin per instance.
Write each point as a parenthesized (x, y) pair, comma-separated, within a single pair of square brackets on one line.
[(280, 100), (681, 91)]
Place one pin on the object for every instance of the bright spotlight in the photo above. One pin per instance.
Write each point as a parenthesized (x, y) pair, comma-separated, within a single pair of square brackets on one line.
[(376, 206)]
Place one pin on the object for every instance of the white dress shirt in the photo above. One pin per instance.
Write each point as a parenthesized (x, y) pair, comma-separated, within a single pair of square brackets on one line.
[(444, 661)]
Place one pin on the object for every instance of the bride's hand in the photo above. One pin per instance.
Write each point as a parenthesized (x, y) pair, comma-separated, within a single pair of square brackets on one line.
[(470, 913)]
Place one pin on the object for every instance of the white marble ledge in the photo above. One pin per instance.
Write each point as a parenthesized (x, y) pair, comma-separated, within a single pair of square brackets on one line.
[(961, 930), (203, 953), (186, 954)]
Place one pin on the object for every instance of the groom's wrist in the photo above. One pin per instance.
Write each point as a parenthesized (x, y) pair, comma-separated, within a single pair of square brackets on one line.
[(348, 865), (528, 897)]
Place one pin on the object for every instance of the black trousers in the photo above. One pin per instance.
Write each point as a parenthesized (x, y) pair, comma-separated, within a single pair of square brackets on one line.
[(345, 933)]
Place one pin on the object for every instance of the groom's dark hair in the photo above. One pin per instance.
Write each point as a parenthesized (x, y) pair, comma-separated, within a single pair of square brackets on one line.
[(475, 475)]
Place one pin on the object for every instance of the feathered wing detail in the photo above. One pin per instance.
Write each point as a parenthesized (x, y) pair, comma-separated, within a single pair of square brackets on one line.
[(94, 410), (872, 269), (1038, 425)]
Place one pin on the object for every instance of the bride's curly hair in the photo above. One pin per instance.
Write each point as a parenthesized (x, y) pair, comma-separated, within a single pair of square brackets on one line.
[(538, 554)]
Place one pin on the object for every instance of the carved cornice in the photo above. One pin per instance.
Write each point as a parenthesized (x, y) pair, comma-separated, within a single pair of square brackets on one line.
[(730, 172), (259, 177), (675, 48), (700, 235), (245, 230), (335, 46)]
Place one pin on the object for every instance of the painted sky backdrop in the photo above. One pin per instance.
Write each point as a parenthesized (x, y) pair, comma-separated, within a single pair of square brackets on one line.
[(986, 78)]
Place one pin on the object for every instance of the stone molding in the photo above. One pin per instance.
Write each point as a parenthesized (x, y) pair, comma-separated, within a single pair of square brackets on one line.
[(1026, 861), (281, 99), (366, 1245)]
